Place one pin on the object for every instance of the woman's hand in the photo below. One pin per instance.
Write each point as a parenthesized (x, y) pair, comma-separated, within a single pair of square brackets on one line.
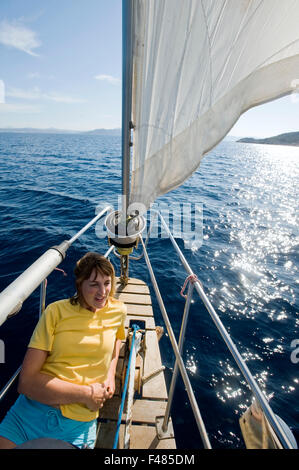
[(97, 397), (110, 385)]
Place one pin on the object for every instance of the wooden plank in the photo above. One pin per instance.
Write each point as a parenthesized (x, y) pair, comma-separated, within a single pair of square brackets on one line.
[(105, 435), (145, 310), (141, 437), (122, 348), (132, 289), (144, 411), (110, 409), (133, 280), (140, 299), (155, 387), (144, 437), (119, 369)]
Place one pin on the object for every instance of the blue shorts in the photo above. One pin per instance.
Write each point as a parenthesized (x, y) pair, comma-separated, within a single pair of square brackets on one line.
[(28, 419)]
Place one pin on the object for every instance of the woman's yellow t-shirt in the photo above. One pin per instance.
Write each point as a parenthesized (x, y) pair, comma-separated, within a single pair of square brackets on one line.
[(80, 345)]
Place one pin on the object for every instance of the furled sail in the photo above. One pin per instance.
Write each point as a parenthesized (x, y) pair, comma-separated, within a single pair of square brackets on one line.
[(197, 66)]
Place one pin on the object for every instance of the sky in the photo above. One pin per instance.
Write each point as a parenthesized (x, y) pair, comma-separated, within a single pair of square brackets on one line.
[(60, 63), (60, 67)]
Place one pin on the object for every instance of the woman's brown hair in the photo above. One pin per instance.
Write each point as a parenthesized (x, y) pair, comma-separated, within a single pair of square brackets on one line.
[(84, 268)]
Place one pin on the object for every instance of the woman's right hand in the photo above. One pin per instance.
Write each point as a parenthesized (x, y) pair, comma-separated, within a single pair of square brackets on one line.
[(98, 395)]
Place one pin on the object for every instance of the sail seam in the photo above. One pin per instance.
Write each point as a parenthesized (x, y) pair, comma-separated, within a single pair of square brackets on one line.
[(210, 56), (188, 32), (242, 27)]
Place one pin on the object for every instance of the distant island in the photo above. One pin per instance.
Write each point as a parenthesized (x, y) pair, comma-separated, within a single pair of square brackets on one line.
[(32, 130), (290, 138)]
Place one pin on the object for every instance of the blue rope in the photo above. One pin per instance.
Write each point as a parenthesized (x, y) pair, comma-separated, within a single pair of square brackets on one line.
[(135, 328)]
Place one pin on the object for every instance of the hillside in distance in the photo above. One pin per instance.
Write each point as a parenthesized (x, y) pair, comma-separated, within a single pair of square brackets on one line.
[(33, 130), (290, 138)]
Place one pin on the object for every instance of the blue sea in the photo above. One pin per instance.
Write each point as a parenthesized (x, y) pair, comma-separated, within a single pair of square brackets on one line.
[(51, 185)]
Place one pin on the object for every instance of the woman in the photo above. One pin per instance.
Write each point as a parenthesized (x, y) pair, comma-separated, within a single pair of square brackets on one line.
[(69, 368)]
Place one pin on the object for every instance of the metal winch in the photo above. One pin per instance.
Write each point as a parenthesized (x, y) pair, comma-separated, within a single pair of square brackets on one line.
[(124, 232)]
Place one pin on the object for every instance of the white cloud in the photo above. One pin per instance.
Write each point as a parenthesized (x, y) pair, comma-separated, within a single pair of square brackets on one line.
[(18, 36), (60, 98), (33, 94), (109, 79), (18, 108), (36, 94)]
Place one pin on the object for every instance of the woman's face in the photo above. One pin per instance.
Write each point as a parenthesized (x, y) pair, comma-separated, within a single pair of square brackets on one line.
[(95, 290)]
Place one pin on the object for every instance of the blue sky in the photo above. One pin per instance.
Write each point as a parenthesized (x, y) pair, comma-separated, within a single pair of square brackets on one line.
[(61, 63), (60, 66)]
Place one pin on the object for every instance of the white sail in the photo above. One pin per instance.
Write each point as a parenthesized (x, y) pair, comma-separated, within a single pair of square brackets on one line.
[(198, 65)]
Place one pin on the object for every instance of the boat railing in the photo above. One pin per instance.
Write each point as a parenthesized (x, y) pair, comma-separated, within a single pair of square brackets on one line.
[(12, 298), (277, 431)]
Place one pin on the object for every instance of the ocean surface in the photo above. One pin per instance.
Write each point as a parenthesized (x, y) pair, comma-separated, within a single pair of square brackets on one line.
[(245, 253)]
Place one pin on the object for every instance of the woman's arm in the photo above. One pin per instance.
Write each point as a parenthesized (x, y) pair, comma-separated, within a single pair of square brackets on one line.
[(110, 381), (53, 391)]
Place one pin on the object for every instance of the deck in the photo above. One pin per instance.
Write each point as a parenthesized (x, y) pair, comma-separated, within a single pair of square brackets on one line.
[(152, 399)]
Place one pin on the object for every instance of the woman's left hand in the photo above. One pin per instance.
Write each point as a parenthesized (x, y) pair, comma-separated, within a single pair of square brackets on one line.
[(110, 385)]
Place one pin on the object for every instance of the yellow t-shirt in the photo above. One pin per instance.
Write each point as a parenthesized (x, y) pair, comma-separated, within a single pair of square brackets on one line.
[(80, 345)]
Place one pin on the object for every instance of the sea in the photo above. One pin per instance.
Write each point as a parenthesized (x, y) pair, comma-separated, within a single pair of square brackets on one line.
[(240, 238)]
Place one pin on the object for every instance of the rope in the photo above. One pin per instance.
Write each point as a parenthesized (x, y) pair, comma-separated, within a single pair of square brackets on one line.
[(135, 328), (145, 378), (55, 269), (131, 390), (192, 278), (58, 269)]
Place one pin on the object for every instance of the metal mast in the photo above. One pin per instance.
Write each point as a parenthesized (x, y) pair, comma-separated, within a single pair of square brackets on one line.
[(127, 66)]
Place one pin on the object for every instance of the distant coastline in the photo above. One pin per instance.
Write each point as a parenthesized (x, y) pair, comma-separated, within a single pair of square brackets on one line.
[(32, 130), (290, 138)]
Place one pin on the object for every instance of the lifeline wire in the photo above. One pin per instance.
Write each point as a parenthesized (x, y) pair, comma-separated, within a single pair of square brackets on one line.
[(135, 328)]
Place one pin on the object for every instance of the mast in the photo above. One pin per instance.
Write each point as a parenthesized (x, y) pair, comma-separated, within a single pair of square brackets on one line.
[(127, 66)]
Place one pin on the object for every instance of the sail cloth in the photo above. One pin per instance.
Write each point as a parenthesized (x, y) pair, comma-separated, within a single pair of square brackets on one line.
[(197, 66)]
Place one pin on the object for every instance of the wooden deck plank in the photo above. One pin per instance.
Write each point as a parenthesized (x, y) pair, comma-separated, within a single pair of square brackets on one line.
[(145, 437), (122, 349), (139, 299), (143, 411), (133, 280), (106, 435), (110, 409), (141, 437), (119, 369), (133, 289), (145, 310), (155, 387)]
